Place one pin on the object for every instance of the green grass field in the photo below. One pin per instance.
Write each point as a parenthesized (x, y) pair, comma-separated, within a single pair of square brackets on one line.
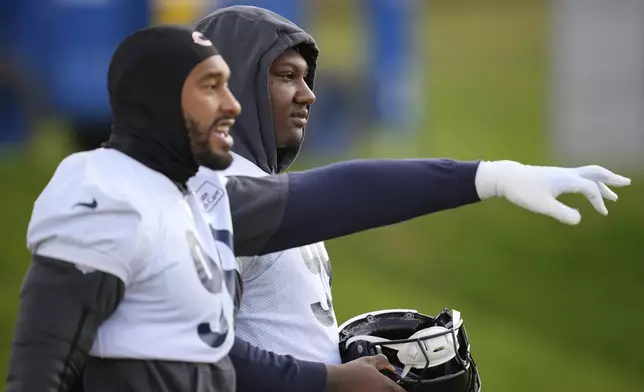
[(547, 307)]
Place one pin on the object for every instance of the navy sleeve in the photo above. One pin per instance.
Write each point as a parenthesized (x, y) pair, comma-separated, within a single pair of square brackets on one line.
[(257, 208), (354, 196), (284, 211), (261, 370)]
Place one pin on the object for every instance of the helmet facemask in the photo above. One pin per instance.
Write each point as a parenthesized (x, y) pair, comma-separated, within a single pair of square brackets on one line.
[(429, 353)]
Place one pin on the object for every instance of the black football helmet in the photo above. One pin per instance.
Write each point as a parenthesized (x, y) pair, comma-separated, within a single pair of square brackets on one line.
[(428, 353)]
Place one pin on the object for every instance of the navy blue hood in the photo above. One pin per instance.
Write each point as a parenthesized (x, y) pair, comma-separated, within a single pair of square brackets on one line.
[(250, 39)]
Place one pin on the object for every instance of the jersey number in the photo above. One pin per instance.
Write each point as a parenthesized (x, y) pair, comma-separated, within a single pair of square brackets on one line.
[(212, 278), (316, 258)]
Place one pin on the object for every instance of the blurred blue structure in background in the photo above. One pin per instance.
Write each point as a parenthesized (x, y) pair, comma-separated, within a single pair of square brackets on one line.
[(392, 55), (21, 28), (55, 55), (82, 37), (293, 10), (62, 48)]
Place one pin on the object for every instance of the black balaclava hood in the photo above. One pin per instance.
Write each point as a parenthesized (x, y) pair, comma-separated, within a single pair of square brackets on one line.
[(145, 80), (250, 39)]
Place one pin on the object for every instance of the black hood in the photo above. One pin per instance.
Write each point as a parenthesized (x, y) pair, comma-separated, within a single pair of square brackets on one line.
[(145, 81), (250, 39)]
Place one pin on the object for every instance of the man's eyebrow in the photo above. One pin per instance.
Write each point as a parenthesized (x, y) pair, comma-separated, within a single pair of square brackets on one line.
[(212, 75), (294, 63)]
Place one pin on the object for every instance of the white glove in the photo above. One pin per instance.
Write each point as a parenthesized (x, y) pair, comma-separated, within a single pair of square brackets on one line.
[(536, 188)]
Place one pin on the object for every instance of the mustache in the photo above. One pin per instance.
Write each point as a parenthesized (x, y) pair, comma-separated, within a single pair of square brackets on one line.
[(301, 113), (222, 119)]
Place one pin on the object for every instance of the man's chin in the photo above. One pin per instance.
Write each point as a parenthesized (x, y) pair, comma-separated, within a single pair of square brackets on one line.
[(216, 161), (293, 140)]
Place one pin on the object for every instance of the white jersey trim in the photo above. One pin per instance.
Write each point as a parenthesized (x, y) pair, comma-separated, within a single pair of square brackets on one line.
[(85, 257)]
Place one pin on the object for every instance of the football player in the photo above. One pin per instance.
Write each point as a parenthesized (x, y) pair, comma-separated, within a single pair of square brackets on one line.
[(287, 306), (125, 280)]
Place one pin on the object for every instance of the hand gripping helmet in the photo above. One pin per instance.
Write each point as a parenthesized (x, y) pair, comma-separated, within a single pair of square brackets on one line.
[(428, 353)]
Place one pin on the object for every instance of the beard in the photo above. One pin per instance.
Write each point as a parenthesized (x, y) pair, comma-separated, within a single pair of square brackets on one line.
[(202, 151)]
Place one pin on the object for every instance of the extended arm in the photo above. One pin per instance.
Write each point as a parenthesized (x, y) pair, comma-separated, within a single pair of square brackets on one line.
[(284, 211)]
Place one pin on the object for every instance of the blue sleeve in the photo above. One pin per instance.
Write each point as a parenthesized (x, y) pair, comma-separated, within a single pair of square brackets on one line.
[(354, 196), (278, 212), (261, 370)]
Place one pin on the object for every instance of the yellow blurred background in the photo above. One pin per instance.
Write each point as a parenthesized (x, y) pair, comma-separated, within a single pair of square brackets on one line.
[(547, 307)]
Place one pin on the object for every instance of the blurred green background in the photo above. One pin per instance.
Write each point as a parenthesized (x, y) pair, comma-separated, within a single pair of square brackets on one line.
[(547, 307)]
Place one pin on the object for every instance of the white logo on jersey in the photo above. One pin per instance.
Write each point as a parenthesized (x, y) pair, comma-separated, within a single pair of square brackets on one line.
[(209, 195)]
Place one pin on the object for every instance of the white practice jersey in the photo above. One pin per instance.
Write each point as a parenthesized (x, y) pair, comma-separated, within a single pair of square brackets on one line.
[(286, 305), (102, 210)]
